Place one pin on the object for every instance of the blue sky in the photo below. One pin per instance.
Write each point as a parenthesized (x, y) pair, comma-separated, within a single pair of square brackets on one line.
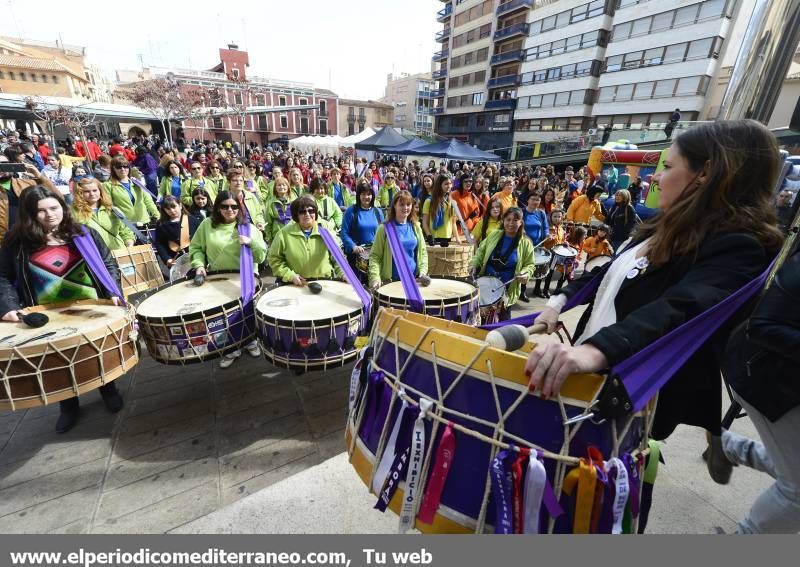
[(354, 42)]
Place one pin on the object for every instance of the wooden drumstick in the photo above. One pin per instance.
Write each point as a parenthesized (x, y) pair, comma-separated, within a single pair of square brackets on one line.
[(513, 337)]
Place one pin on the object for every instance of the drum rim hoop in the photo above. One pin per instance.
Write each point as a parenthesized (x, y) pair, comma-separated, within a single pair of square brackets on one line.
[(446, 301), (337, 319)]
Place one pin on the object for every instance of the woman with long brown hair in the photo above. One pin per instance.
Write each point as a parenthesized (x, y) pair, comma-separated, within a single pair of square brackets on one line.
[(715, 232), (438, 218), (92, 207)]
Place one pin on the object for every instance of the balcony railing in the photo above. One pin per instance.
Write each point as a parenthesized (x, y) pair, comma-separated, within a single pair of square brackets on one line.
[(443, 35), (439, 74), (441, 55), (508, 57), (504, 81), (437, 110), (438, 93), (444, 14), (512, 6), (502, 104), (511, 31)]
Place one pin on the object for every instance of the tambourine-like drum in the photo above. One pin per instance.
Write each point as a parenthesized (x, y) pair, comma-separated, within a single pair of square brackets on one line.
[(454, 261), (479, 416), (85, 345), (138, 268), (303, 331), (596, 262), (182, 323), (563, 254), (449, 299), (491, 299), (541, 260)]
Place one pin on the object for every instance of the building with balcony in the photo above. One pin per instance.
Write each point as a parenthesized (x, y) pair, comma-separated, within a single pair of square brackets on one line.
[(231, 86), (355, 115), (412, 97)]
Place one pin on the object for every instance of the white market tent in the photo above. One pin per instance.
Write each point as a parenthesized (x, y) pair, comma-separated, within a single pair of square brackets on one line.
[(350, 141)]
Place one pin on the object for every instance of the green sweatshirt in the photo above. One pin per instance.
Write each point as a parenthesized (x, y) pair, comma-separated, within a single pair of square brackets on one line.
[(191, 184), (141, 210), (217, 248), (384, 199), (347, 196), (329, 211), (273, 224), (291, 254), (380, 256), (112, 230), (525, 264)]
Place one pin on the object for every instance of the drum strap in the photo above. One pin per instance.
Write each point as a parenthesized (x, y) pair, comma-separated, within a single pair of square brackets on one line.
[(246, 271), (352, 278), (91, 255), (410, 286), (140, 236)]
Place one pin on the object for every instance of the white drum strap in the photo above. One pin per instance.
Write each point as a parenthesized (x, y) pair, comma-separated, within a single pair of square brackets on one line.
[(412, 490), (621, 491), (534, 491), (388, 452)]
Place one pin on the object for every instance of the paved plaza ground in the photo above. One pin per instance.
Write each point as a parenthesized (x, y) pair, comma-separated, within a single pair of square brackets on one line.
[(253, 449)]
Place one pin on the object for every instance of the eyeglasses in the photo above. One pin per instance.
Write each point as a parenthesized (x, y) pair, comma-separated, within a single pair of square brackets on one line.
[(229, 207), (196, 168), (126, 166), (308, 211), (214, 167)]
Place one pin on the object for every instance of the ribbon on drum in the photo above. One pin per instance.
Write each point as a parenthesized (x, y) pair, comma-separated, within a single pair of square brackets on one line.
[(410, 286), (442, 464), (349, 274), (414, 473), (502, 482)]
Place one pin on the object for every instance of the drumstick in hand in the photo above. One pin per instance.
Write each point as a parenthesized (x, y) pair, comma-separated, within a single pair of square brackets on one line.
[(513, 337)]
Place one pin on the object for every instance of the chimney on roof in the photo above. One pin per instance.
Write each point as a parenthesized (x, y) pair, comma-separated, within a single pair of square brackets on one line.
[(233, 46)]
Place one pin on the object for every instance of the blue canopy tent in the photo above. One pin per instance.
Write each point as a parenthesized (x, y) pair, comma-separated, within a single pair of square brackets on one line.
[(386, 136), (453, 149), (404, 148)]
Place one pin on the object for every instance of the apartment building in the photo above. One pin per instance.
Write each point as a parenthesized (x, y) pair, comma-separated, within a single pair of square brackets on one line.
[(412, 99), (355, 115)]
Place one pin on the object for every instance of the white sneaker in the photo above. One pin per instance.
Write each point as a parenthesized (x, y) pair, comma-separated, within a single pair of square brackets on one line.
[(228, 359), (253, 349)]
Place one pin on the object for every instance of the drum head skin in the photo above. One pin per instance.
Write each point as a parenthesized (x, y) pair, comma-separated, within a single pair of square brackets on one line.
[(541, 255), (185, 298), (564, 251), (65, 321), (295, 303), (438, 289), (596, 262), (491, 289)]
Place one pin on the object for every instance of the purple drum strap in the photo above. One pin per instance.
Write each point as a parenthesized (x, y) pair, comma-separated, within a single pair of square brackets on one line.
[(336, 252), (502, 481), (633, 482), (88, 249), (142, 186), (410, 286), (246, 273)]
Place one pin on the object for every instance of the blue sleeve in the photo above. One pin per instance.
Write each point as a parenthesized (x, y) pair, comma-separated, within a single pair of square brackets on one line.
[(347, 223), (545, 228), (380, 216)]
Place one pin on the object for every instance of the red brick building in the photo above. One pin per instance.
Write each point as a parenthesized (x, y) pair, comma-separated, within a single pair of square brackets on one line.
[(263, 127)]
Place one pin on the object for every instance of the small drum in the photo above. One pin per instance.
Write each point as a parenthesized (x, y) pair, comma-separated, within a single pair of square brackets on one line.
[(85, 345), (563, 254), (300, 330), (138, 268), (182, 323), (449, 299), (181, 267), (480, 397), (596, 262), (361, 261), (492, 299), (541, 260), (454, 261)]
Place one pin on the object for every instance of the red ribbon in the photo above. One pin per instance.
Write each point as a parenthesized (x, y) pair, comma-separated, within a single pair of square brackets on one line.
[(517, 505), (443, 462)]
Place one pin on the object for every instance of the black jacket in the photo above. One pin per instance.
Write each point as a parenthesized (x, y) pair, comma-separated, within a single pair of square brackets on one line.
[(762, 352), (621, 220), (171, 232), (15, 288), (661, 299)]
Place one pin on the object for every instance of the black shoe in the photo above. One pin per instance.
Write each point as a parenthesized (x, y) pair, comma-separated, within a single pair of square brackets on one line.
[(67, 419), (111, 397), (545, 294), (523, 297), (719, 467)]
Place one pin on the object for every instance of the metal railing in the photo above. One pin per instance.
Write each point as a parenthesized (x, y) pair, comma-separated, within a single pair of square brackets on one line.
[(441, 55), (510, 31), (511, 5), (508, 56), (502, 104), (439, 74), (504, 81), (442, 35), (444, 13)]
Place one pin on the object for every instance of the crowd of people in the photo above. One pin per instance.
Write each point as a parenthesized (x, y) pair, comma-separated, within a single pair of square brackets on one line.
[(716, 230)]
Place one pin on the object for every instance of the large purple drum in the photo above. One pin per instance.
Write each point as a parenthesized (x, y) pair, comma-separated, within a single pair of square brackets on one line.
[(303, 331), (450, 299), (486, 424)]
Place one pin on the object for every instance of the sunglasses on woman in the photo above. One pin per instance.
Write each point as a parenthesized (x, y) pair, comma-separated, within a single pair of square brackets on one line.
[(229, 207), (308, 211)]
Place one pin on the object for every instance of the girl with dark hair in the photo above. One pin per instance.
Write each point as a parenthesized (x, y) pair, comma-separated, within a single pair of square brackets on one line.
[(438, 219), (427, 187), (507, 254), (172, 182), (217, 245), (585, 207), (492, 220), (298, 252), (714, 233), (197, 180), (382, 266), (360, 223), (40, 264), (175, 230), (548, 201), (202, 206), (92, 207)]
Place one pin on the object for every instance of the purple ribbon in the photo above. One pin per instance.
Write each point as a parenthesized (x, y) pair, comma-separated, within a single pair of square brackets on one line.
[(633, 483), (336, 252), (397, 472), (410, 286), (375, 388), (284, 215), (143, 187), (549, 496), (502, 483), (246, 273), (91, 255)]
